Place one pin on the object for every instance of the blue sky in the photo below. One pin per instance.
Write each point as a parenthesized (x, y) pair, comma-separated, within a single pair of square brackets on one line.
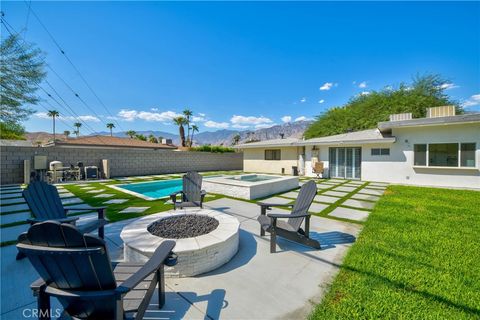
[(243, 65)]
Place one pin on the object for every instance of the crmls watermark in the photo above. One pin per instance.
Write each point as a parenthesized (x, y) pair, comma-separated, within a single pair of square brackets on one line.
[(38, 313)]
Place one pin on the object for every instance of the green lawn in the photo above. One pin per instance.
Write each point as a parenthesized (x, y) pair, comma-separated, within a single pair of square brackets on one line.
[(418, 257)]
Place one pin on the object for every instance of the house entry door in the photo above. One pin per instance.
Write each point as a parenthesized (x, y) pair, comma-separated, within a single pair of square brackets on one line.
[(345, 163)]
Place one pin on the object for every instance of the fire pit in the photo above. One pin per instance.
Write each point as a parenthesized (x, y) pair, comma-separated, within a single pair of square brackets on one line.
[(205, 239)]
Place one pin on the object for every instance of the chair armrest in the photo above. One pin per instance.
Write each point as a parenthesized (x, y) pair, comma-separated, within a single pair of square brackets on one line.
[(173, 196), (37, 285), (62, 220), (268, 205), (152, 265), (203, 193), (287, 215), (87, 208)]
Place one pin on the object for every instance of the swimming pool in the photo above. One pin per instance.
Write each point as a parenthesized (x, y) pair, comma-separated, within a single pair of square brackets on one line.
[(151, 190)]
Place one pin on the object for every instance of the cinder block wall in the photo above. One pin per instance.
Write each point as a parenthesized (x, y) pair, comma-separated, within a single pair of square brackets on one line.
[(123, 162)]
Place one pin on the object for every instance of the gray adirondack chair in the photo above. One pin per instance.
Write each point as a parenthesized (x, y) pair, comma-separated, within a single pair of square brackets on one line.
[(76, 269), (45, 204), (291, 228), (192, 193)]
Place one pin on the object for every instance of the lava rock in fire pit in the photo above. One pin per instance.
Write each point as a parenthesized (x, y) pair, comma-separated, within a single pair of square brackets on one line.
[(184, 226)]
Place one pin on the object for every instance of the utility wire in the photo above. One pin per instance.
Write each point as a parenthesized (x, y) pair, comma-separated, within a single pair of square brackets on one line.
[(74, 66)]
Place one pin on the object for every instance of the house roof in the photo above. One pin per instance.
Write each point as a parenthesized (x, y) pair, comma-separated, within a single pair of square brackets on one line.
[(462, 118), (107, 141), (287, 142)]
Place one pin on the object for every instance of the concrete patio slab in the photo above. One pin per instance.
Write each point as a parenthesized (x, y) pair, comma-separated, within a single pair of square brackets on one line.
[(360, 196), (317, 207), (276, 200), (12, 201), (358, 204), (14, 217), (10, 195), (344, 189), (339, 194), (87, 188), (96, 191), (12, 233), (355, 183), (291, 194), (134, 209), (324, 186), (104, 195), (69, 201), (325, 199), (14, 207), (375, 187), (379, 184), (242, 210), (351, 214), (371, 192), (116, 201)]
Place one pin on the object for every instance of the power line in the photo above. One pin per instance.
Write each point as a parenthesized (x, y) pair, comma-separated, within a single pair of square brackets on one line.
[(74, 67)]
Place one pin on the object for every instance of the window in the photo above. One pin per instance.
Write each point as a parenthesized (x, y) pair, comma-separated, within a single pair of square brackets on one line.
[(272, 154), (467, 155), (444, 155), (380, 151), (420, 154)]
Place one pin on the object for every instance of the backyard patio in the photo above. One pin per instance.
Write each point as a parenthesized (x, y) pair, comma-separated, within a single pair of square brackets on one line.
[(254, 284)]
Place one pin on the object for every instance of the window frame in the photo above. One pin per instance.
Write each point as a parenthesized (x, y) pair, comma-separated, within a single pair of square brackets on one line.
[(273, 153), (459, 155), (381, 152)]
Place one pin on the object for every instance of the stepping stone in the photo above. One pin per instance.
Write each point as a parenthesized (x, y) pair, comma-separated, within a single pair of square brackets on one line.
[(324, 186), (134, 209), (326, 199), (12, 200), (355, 183), (10, 187), (331, 183), (379, 184), (365, 197), (371, 192), (317, 207), (14, 207), (14, 217), (345, 189), (375, 188), (335, 193), (104, 195), (358, 204), (115, 201), (11, 195), (291, 194), (69, 201), (12, 233), (11, 191), (87, 188), (351, 214), (276, 200), (337, 180), (96, 191), (66, 195)]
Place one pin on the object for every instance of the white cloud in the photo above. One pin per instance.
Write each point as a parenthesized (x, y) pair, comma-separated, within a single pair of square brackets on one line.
[(448, 86), (321, 101), (472, 101), (199, 118), (239, 126), (362, 84), (154, 109), (249, 120), (89, 118), (364, 93), (303, 118), (201, 114), (286, 119), (303, 100), (217, 125), (328, 86), (264, 125), (130, 115)]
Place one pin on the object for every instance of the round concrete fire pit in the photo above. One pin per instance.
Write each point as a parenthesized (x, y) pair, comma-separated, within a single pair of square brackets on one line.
[(205, 239)]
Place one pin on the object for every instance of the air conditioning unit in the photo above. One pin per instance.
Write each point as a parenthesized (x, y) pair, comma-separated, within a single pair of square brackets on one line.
[(444, 111), (167, 141), (91, 172)]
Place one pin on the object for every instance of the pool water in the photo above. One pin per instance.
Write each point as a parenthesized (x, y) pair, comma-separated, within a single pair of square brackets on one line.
[(156, 189), (253, 178)]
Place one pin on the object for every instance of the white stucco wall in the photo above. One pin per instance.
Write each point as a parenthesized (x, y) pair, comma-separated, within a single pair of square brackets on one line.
[(254, 160), (398, 166)]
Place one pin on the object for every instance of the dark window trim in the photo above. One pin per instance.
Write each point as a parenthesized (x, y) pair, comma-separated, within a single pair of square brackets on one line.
[(459, 165), (376, 152), (275, 154)]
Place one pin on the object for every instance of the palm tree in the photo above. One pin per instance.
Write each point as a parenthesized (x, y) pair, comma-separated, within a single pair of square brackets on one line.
[(131, 133), (76, 132), (236, 138), (188, 113), (110, 126), (53, 114), (66, 133), (180, 122), (77, 125), (194, 129), (140, 137), (152, 139)]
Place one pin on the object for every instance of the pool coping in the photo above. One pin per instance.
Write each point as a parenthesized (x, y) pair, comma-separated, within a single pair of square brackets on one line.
[(118, 187)]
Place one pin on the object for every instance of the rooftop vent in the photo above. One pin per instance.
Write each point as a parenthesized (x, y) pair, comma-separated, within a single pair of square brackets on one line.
[(167, 141), (401, 116), (444, 111)]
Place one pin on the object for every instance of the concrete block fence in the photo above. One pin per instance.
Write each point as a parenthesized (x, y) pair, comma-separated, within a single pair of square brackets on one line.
[(123, 162)]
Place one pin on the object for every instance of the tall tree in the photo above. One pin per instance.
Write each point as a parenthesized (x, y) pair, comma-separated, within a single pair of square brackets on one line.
[(131, 133), (21, 71), (77, 125), (364, 111), (66, 133), (188, 113), (76, 132), (236, 139), (110, 126), (140, 137), (194, 129), (152, 139), (180, 122), (54, 114)]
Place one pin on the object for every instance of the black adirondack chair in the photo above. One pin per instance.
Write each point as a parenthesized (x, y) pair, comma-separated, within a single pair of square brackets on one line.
[(45, 204), (76, 269), (290, 229), (192, 193)]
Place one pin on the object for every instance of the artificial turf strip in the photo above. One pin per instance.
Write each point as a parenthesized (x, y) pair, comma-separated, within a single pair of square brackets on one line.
[(417, 257)]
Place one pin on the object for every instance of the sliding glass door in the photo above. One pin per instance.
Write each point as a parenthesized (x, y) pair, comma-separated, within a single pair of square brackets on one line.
[(345, 163)]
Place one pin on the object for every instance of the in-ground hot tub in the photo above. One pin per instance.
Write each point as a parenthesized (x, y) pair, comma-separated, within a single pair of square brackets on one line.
[(205, 239), (250, 186)]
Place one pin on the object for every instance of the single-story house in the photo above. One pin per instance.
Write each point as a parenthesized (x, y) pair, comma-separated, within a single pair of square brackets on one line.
[(108, 142), (442, 149)]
